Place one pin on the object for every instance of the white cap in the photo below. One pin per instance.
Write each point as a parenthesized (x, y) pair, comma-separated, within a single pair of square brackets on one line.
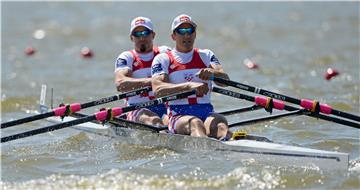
[(180, 20), (141, 21)]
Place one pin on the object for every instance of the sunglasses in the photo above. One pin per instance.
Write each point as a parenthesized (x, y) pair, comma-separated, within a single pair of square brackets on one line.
[(183, 31), (143, 33)]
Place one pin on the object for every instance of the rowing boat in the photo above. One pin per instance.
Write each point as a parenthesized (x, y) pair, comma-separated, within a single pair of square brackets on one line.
[(255, 149)]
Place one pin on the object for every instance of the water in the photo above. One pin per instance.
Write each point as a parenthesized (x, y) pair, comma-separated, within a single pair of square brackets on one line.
[(293, 43)]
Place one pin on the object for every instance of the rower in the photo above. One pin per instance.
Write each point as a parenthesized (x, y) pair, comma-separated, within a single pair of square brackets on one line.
[(188, 68), (132, 71)]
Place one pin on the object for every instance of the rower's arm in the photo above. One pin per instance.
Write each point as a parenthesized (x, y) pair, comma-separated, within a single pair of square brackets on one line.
[(216, 69), (219, 72), (162, 87), (124, 82)]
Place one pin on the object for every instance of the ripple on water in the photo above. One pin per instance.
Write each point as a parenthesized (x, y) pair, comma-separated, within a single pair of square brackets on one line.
[(210, 175), (13, 104), (354, 166), (133, 152), (303, 134), (343, 106), (339, 144), (116, 179)]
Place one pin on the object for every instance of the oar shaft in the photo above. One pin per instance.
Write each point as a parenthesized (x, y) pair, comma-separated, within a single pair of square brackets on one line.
[(287, 107), (323, 108), (100, 116), (27, 119), (241, 110), (345, 114), (257, 90), (60, 111), (245, 97), (334, 119), (47, 129), (119, 122), (115, 97), (261, 119)]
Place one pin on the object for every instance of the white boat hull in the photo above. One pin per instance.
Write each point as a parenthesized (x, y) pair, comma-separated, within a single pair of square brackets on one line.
[(256, 151)]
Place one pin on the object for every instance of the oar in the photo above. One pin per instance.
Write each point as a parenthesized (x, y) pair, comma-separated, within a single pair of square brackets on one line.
[(119, 122), (116, 121), (270, 103), (267, 118), (99, 116), (67, 109), (241, 110), (311, 105)]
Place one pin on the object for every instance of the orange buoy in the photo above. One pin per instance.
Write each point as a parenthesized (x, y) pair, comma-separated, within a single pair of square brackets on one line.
[(29, 51), (330, 73), (86, 52), (250, 64)]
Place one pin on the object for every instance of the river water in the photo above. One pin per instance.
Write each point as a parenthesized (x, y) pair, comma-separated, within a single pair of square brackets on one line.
[(293, 44)]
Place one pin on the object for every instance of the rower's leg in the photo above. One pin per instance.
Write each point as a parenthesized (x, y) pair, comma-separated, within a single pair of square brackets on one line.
[(165, 119), (216, 126), (148, 117), (190, 125)]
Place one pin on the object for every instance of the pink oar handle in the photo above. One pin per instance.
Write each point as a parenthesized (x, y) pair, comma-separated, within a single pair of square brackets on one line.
[(60, 111), (264, 101), (310, 105), (103, 115)]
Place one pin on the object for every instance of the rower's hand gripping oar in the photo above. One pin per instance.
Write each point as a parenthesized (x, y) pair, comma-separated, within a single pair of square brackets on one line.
[(313, 106), (99, 116), (72, 108), (279, 105)]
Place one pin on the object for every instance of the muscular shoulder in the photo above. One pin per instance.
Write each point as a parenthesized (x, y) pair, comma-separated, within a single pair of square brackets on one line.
[(160, 64), (124, 60), (208, 56)]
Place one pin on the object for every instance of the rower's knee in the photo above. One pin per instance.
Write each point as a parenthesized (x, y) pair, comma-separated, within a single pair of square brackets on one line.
[(156, 121), (153, 120), (196, 127), (217, 125), (195, 123), (222, 127), (148, 117), (222, 130), (165, 119)]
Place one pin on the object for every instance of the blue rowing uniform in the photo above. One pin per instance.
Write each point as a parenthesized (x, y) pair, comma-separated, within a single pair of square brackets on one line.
[(160, 109), (202, 111)]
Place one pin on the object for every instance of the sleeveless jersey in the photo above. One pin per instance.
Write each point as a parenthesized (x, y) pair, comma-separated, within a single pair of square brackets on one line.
[(180, 73), (140, 69)]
